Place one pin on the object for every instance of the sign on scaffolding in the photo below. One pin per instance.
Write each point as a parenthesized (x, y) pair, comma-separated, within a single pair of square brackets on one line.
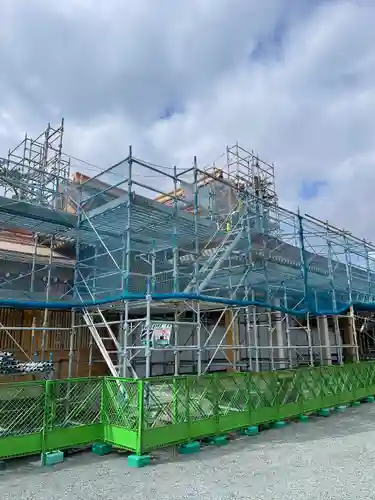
[(158, 334)]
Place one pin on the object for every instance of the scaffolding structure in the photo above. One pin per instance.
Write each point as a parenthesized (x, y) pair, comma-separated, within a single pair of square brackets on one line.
[(35, 170), (184, 271)]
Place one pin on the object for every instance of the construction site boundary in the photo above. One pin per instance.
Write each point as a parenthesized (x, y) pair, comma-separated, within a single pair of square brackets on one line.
[(145, 414)]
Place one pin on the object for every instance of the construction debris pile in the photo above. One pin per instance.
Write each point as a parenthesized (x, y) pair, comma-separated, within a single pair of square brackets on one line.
[(9, 365)]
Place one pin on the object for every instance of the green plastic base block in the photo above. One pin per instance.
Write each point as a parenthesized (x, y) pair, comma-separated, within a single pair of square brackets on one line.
[(356, 403), (340, 409), (251, 431), (138, 460), (303, 418), (278, 424), (369, 399), (53, 457), (324, 412), (188, 448), (219, 440), (101, 448)]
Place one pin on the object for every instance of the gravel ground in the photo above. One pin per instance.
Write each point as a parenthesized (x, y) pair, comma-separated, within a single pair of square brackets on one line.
[(326, 458)]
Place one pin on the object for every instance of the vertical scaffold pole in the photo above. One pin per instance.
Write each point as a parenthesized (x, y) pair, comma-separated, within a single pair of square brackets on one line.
[(33, 266), (122, 333), (175, 242), (304, 269), (125, 337), (270, 340), (121, 329), (336, 325), (176, 342), (368, 268), (279, 334), (264, 227), (59, 201), (309, 340), (45, 334), (348, 266), (287, 330), (248, 331), (148, 331), (354, 330), (319, 331), (196, 268), (75, 283), (94, 295), (175, 272), (126, 270), (255, 331), (153, 268), (249, 262)]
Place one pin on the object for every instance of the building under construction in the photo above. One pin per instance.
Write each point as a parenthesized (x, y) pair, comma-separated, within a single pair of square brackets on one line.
[(145, 270)]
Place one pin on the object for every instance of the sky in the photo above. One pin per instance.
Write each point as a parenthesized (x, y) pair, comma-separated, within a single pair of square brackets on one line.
[(293, 80)]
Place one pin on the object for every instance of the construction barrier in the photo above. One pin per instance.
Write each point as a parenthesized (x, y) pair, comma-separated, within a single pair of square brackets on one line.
[(145, 414)]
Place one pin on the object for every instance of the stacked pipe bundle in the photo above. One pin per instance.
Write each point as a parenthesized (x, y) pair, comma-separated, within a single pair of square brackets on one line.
[(9, 365), (35, 366), (8, 362)]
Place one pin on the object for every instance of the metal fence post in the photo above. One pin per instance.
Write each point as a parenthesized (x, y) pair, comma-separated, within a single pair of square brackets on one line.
[(248, 385), (141, 409), (216, 401), (177, 385), (48, 417), (103, 407)]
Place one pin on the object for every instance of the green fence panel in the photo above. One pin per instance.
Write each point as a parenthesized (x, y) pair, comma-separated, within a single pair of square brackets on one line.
[(21, 418), (336, 386), (73, 413), (180, 409), (202, 403), (122, 404), (143, 415), (160, 424), (264, 403), (363, 376)]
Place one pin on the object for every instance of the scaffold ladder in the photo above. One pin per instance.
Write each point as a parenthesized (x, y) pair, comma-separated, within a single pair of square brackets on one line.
[(100, 339), (219, 255)]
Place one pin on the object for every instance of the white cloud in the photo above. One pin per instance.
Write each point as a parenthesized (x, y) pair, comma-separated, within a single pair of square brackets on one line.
[(305, 101)]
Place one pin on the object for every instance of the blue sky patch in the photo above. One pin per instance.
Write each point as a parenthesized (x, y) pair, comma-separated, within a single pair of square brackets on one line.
[(311, 189)]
